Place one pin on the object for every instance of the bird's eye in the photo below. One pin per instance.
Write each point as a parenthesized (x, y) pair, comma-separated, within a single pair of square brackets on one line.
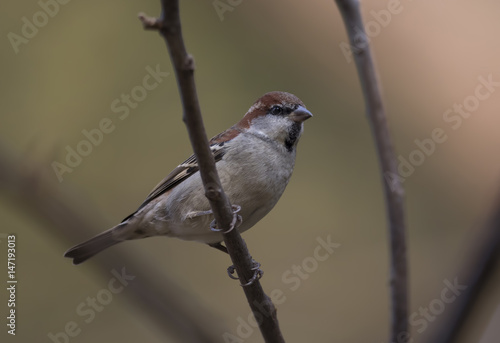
[(276, 110)]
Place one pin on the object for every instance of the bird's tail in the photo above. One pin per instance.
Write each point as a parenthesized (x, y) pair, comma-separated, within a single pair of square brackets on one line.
[(83, 251)]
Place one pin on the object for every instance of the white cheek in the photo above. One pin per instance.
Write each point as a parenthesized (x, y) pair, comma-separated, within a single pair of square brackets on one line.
[(273, 127)]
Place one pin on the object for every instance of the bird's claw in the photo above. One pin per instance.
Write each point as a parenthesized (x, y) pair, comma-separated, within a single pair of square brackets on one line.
[(257, 273), (237, 220), (230, 272)]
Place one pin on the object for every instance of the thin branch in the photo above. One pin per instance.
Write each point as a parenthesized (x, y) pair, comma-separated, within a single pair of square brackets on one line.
[(70, 218), (393, 191), (480, 266), (169, 26)]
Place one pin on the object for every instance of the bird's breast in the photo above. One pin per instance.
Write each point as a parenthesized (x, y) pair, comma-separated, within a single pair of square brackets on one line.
[(255, 174)]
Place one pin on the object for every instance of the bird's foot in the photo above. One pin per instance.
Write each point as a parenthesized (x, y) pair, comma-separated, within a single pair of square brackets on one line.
[(257, 273), (237, 220)]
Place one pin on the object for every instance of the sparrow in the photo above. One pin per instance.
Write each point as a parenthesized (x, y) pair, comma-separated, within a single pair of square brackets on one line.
[(254, 159)]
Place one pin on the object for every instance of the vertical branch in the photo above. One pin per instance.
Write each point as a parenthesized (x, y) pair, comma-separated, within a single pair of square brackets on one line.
[(393, 191), (169, 26)]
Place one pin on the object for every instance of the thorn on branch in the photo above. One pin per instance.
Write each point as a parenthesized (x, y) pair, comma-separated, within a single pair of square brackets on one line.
[(150, 23), (189, 63), (212, 192)]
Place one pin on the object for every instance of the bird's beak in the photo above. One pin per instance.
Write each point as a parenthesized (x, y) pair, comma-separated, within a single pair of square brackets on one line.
[(300, 114)]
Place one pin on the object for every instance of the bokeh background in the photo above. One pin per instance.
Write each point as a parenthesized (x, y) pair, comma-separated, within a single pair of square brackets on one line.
[(429, 54)]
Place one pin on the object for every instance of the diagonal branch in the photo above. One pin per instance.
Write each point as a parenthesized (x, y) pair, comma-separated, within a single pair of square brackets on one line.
[(479, 268), (169, 26), (393, 190)]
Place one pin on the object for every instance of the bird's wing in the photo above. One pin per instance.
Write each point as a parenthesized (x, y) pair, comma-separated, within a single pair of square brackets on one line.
[(189, 167)]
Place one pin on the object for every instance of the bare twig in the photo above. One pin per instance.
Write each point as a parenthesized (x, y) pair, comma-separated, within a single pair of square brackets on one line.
[(167, 304), (393, 191), (480, 266), (169, 26)]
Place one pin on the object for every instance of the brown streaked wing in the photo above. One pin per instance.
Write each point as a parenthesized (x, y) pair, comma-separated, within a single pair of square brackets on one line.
[(181, 173)]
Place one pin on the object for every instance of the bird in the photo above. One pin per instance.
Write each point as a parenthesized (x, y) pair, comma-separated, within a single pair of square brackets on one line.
[(254, 159)]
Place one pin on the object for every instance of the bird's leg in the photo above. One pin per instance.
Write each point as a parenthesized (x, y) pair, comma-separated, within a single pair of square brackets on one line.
[(237, 220), (219, 246), (195, 214)]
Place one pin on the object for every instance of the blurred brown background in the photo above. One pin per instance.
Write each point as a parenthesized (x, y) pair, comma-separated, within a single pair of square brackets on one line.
[(430, 56)]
